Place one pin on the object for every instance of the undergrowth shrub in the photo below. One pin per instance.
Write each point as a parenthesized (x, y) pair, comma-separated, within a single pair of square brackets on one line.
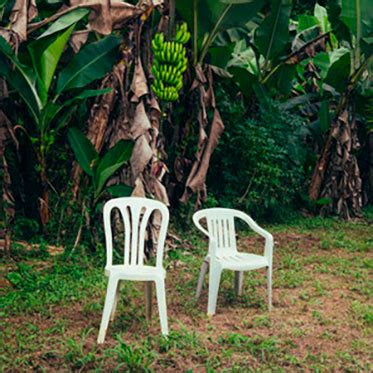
[(258, 164)]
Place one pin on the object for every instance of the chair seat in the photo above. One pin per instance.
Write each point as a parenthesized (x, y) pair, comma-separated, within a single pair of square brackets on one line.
[(140, 273), (242, 261)]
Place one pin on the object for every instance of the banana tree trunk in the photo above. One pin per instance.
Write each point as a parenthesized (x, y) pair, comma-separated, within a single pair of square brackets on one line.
[(337, 174)]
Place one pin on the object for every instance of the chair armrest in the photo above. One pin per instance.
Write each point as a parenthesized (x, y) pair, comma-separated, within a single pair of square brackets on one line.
[(212, 242), (268, 248), (196, 220)]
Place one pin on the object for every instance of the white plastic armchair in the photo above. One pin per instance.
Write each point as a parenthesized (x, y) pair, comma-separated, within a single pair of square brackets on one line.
[(223, 254), (135, 213)]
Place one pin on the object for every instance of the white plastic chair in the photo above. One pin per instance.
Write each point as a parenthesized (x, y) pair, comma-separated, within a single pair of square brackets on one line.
[(223, 254), (135, 213)]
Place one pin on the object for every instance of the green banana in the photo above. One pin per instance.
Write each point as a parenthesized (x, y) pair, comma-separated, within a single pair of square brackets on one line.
[(170, 61)]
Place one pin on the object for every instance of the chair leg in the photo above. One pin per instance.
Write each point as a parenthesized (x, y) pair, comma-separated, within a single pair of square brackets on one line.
[(201, 277), (214, 281), (269, 285), (148, 299), (109, 302), (117, 294), (162, 306), (238, 281)]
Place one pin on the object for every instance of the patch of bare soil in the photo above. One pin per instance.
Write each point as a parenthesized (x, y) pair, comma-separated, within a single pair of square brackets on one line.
[(304, 320)]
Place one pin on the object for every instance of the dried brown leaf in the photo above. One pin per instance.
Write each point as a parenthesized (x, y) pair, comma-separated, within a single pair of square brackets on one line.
[(141, 155), (197, 177), (141, 123), (23, 11), (139, 84), (78, 39)]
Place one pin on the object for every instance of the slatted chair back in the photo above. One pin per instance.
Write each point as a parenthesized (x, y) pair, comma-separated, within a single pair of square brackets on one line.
[(135, 213)]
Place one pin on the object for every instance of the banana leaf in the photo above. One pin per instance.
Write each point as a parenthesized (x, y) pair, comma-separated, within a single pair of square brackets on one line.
[(91, 63)]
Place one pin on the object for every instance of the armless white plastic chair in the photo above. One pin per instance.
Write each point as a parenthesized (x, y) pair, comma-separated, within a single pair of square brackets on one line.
[(135, 213), (223, 254)]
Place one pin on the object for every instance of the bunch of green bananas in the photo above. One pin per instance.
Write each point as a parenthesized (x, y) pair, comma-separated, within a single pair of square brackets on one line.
[(170, 62)]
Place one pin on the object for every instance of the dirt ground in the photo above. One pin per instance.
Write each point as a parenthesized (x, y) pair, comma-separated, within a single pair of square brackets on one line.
[(321, 320)]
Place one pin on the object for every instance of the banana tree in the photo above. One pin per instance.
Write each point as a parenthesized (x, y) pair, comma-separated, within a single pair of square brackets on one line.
[(337, 174), (267, 54), (52, 96), (209, 17), (205, 19)]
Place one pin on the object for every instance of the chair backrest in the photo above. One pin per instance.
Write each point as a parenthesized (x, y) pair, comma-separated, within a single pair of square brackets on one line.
[(135, 213), (220, 228)]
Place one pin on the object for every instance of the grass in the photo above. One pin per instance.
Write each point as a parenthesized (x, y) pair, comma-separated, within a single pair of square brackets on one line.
[(322, 320)]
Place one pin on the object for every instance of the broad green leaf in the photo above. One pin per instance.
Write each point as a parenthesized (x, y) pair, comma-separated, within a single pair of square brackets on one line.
[(114, 159), (21, 78), (244, 56), (220, 56), (322, 61), (358, 16), (214, 16), (272, 35), (120, 190), (324, 116), (340, 68), (187, 8), (91, 63), (305, 22), (339, 28), (16, 80), (45, 54), (65, 21), (322, 16), (336, 54), (244, 79), (238, 14), (83, 149), (282, 80)]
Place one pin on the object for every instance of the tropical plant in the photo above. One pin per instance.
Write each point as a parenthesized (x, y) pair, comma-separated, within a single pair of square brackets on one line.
[(35, 79), (327, 65), (100, 169), (207, 18), (337, 174), (265, 54)]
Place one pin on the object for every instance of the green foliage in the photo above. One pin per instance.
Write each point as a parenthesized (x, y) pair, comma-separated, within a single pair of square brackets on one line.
[(91, 63), (212, 17), (131, 358), (65, 21), (259, 162), (63, 282), (39, 82), (25, 228), (100, 169), (272, 36)]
